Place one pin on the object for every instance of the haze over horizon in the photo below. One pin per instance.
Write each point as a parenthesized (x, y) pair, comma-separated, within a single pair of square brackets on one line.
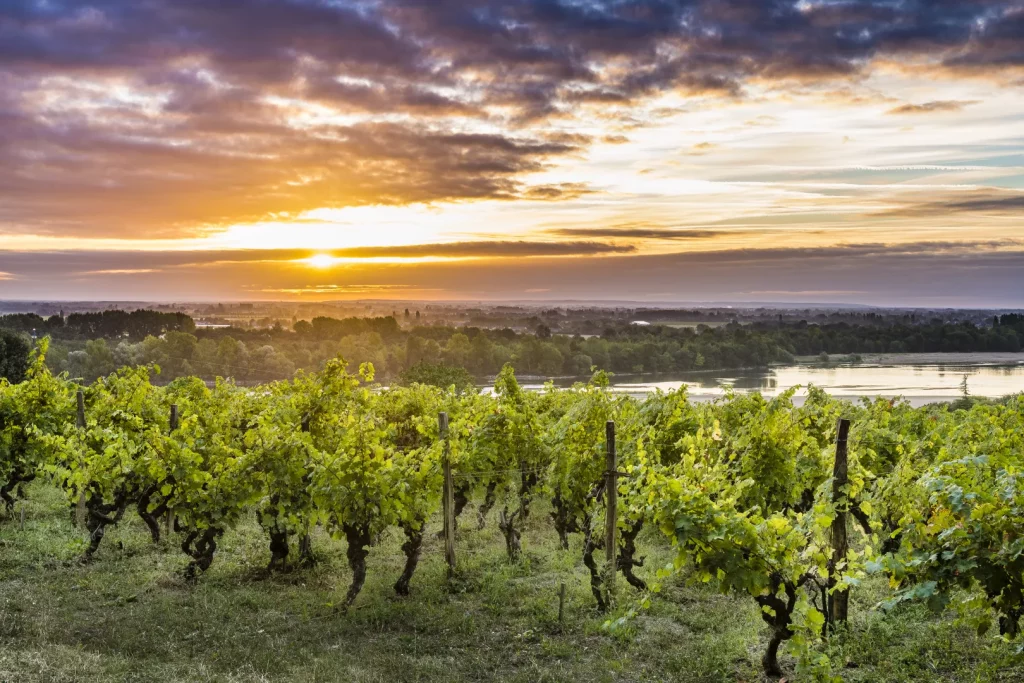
[(826, 151)]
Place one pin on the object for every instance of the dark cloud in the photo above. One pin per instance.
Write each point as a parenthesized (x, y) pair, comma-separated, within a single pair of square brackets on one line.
[(1003, 203), (84, 182), (151, 118), (85, 263), (968, 273), (644, 233), (493, 249), (929, 107)]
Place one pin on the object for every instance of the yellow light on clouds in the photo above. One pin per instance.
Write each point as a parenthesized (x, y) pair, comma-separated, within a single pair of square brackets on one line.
[(321, 261)]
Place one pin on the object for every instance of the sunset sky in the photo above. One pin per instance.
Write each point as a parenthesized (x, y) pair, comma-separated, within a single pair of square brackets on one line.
[(667, 150)]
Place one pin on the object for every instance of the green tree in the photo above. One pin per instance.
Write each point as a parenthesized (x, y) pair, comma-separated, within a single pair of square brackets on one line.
[(437, 375), (14, 353)]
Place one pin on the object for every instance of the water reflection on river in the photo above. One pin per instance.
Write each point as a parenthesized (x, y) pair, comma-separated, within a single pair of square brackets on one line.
[(919, 383)]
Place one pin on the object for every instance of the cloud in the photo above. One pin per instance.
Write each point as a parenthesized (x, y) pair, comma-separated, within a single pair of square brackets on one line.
[(98, 264), (930, 107), (988, 201), (615, 139), (700, 149), (944, 273), (815, 293), (1004, 205), (174, 117), (492, 249), (345, 290), (643, 233)]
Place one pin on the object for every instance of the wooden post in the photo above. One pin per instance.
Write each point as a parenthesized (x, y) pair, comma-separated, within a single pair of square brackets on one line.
[(22, 506), (449, 495), (81, 409), (80, 512), (611, 492), (839, 601), (174, 416)]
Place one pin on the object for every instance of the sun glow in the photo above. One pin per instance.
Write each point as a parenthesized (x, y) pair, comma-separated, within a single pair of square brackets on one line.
[(321, 261)]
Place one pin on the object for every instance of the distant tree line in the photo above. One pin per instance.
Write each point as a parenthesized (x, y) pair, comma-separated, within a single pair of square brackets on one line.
[(94, 344), (1005, 334), (111, 324)]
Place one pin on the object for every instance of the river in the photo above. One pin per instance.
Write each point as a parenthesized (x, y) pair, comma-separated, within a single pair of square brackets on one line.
[(920, 378)]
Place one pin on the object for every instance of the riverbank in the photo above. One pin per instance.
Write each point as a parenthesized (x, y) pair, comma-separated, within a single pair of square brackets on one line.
[(919, 378), (915, 359)]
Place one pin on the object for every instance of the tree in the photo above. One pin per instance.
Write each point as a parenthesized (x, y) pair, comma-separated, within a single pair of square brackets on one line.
[(14, 352), (458, 349), (437, 375)]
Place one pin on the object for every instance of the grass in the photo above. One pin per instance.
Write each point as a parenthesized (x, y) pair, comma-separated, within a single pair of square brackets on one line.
[(128, 616)]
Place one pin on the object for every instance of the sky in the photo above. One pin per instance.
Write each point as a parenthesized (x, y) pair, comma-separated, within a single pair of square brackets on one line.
[(825, 151)]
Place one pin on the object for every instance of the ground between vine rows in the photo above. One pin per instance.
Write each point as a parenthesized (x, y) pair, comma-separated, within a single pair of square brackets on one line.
[(128, 616)]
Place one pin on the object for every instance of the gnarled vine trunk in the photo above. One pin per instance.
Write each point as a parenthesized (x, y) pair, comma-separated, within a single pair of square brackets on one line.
[(528, 481), (627, 559), (779, 620), (16, 486), (596, 584), (489, 499), (306, 556), (268, 519), (770, 659), (278, 549), (460, 496), (100, 515), (1009, 623), (148, 516), (359, 540), (563, 524), (411, 548), (200, 546), (507, 524)]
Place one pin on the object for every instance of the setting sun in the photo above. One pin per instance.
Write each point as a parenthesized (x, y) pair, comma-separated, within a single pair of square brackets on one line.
[(321, 261)]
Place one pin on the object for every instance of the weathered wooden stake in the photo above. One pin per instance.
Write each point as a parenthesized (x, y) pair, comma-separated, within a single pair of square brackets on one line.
[(449, 495), (612, 498), (174, 416), (81, 408), (839, 601), (22, 506), (561, 604), (80, 511)]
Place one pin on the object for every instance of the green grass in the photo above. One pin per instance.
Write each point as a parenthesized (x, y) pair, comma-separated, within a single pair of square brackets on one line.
[(128, 616)]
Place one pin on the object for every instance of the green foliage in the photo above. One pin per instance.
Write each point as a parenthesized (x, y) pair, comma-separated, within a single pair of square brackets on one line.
[(578, 442), (32, 412), (740, 487), (437, 375), (962, 521), (14, 356)]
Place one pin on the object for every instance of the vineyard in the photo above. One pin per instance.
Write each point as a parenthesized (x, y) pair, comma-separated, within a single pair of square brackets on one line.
[(790, 508)]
